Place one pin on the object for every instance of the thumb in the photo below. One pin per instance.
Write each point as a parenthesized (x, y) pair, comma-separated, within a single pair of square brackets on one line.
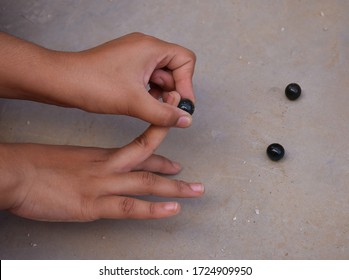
[(159, 113)]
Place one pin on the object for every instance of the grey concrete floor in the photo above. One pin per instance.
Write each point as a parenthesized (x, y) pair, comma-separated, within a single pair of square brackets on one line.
[(248, 51)]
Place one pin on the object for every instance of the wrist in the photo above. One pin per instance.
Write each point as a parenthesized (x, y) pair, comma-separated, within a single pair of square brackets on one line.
[(10, 178), (28, 71)]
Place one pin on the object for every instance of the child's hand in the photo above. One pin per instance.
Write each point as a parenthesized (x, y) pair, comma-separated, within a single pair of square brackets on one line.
[(113, 78), (64, 183)]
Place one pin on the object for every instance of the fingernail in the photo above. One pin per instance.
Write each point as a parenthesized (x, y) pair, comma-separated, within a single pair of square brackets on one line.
[(171, 206), (176, 165), (197, 188), (184, 121), (170, 99), (175, 98), (159, 81)]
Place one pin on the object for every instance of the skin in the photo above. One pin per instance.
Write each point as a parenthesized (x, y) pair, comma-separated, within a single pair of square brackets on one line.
[(67, 183), (106, 79)]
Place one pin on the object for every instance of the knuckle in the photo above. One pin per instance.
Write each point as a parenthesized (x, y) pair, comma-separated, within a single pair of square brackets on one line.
[(180, 186), (193, 55), (127, 206), (142, 141), (148, 179), (87, 210), (167, 118), (149, 39), (145, 39), (186, 53), (137, 34), (152, 207)]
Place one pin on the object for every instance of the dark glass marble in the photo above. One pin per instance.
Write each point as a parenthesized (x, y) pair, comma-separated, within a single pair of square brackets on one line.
[(187, 105), (275, 152), (293, 91)]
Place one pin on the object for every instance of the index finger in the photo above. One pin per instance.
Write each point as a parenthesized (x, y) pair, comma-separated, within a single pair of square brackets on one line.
[(141, 148), (182, 64)]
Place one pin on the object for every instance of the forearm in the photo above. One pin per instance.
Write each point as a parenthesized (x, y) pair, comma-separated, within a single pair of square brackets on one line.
[(28, 71), (111, 78)]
